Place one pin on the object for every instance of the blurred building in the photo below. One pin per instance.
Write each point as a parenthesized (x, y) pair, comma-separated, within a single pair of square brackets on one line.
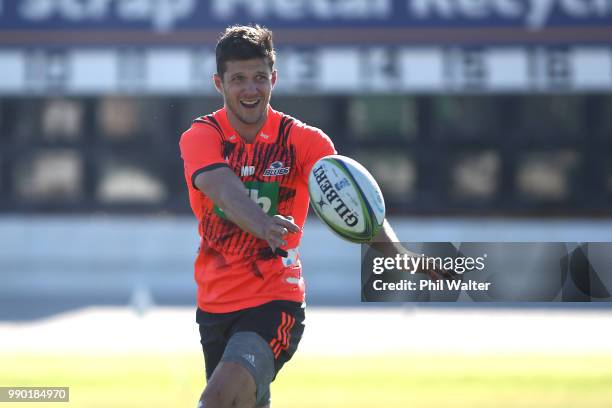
[(482, 107)]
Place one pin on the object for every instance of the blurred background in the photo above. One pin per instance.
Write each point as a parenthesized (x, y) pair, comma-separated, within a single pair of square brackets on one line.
[(482, 120)]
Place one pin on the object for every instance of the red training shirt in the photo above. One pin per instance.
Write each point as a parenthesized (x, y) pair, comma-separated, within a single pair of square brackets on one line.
[(234, 269)]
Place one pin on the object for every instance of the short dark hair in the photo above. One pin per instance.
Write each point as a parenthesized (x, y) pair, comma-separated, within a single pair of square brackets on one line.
[(243, 42)]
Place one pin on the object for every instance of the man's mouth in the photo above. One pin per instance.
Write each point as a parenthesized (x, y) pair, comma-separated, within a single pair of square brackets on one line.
[(249, 103)]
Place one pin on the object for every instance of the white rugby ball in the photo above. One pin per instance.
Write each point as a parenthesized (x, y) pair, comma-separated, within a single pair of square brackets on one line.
[(346, 197)]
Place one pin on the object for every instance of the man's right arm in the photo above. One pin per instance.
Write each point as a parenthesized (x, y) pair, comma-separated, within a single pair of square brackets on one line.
[(201, 150), (226, 190)]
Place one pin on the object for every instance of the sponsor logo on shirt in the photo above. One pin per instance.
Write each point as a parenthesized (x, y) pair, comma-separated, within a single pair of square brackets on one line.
[(247, 171), (276, 169)]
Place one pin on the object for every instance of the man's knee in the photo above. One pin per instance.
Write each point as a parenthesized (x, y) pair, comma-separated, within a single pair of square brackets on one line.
[(221, 396), (230, 386)]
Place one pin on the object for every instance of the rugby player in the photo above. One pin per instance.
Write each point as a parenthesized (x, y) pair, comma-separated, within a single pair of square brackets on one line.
[(246, 168)]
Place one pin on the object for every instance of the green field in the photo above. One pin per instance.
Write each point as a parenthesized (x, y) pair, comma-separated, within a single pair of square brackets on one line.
[(174, 380)]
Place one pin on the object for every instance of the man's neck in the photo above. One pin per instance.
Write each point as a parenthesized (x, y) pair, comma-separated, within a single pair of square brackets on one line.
[(246, 131)]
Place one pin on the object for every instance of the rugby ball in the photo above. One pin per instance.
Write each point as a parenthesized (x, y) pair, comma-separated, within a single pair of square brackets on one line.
[(346, 197)]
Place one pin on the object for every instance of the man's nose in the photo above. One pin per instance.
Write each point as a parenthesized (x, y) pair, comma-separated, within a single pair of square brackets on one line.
[(250, 87)]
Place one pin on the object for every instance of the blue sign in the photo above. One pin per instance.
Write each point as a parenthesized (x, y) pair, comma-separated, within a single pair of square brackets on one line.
[(309, 22)]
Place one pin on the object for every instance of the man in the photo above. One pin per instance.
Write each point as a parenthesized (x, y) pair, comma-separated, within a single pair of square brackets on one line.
[(250, 287)]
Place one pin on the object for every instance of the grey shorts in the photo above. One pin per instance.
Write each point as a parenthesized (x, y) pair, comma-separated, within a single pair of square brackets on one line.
[(251, 351)]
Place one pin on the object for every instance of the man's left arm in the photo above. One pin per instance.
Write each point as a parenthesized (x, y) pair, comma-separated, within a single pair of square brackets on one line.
[(392, 246)]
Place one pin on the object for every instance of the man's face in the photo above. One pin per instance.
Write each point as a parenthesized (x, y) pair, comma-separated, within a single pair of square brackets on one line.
[(246, 87)]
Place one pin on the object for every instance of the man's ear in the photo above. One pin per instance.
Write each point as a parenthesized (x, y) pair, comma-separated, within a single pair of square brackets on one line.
[(273, 78), (218, 83)]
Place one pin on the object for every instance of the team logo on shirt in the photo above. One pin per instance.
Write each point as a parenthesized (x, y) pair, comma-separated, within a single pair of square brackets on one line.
[(276, 169)]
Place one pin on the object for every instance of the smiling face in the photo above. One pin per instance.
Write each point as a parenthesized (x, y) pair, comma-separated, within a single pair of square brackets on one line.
[(246, 87)]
